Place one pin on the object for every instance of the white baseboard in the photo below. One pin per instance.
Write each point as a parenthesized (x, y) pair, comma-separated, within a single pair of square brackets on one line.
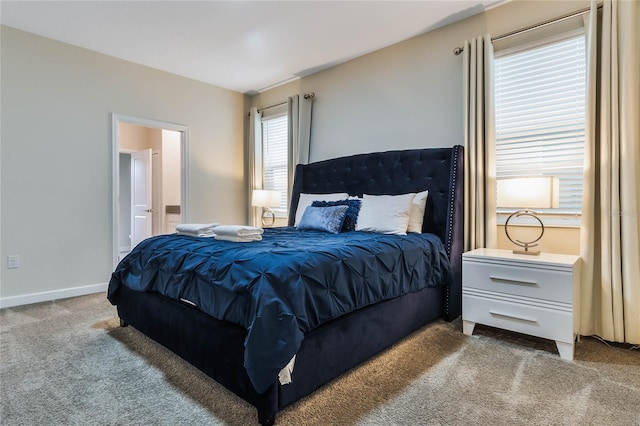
[(46, 296)]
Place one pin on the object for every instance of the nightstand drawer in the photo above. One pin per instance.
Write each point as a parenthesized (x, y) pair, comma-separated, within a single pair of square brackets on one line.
[(549, 323), (534, 282)]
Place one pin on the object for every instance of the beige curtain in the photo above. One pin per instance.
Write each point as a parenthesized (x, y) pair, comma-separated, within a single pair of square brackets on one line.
[(254, 164), (479, 142), (299, 113), (610, 232)]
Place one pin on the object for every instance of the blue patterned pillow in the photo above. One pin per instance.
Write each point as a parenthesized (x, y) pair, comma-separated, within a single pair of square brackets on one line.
[(352, 212), (327, 219)]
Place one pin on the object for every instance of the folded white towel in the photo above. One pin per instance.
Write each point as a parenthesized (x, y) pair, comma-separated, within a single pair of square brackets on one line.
[(238, 230), (236, 239), (197, 234), (196, 228)]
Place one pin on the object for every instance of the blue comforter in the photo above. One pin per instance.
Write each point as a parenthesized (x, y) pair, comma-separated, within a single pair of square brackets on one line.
[(285, 285)]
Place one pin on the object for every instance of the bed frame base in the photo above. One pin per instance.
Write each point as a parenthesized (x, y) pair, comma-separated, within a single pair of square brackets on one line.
[(338, 345), (266, 419)]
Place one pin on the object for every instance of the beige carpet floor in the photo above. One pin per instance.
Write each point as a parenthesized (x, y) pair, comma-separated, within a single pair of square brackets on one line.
[(69, 363)]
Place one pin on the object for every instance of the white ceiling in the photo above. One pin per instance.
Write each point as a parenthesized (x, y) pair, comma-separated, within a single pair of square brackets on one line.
[(246, 46)]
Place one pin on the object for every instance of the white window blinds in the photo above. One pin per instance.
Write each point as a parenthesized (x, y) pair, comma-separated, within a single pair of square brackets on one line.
[(540, 116), (275, 158)]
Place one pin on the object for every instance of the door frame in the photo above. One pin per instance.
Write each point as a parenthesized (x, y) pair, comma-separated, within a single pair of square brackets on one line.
[(116, 119)]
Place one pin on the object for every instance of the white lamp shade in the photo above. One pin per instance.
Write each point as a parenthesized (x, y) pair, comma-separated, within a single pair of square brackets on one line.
[(265, 198), (528, 192)]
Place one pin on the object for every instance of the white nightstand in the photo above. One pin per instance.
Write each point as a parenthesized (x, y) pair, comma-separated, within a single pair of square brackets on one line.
[(528, 294)]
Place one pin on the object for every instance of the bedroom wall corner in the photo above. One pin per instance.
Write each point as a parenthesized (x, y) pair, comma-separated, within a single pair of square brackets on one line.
[(275, 95)]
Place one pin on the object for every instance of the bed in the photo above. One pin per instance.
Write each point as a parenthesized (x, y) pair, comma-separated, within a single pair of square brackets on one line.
[(292, 292)]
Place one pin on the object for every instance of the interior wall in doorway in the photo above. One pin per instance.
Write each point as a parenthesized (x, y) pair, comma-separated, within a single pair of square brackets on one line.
[(137, 138), (124, 237), (171, 176)]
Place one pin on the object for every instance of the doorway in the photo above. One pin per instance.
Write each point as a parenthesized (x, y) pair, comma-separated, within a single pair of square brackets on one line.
[(150, 160)]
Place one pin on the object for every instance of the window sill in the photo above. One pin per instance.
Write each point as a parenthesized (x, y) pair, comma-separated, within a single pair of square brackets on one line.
[(549, 220), (280, 214)]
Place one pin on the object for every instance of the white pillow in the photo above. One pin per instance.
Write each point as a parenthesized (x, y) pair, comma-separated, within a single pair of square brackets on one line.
[(306, 200), (416, 216), (385, 214)]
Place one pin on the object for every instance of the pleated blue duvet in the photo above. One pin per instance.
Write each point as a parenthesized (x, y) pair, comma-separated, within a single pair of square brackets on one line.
[(285, 285)]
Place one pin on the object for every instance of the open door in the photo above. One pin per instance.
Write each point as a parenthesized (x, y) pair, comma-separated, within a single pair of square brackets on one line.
[(141, 211)]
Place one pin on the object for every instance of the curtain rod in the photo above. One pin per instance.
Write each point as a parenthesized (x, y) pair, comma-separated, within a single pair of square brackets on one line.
[(459, 50), (309, 95), (272, 106)]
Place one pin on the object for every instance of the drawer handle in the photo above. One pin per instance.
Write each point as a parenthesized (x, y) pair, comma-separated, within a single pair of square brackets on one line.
[(518, 317), (512, 281)]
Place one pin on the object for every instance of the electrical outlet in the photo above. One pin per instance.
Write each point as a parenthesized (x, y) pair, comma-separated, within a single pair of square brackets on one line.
[(13, 261)]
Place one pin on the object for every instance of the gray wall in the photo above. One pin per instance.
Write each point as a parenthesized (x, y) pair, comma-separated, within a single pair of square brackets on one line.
[(408, 95), (57, 102)]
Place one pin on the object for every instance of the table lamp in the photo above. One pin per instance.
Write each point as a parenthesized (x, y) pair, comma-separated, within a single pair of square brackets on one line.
[(526, 193), (266, 199)]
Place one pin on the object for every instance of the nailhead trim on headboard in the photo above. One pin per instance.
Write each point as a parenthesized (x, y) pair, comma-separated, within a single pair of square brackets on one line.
[(454, 169)]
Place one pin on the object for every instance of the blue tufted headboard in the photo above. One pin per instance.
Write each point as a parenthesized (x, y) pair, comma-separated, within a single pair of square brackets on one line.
[(440, 170)]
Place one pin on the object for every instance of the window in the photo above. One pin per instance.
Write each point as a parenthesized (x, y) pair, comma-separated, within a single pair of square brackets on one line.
[(540, 117), (275, 144)]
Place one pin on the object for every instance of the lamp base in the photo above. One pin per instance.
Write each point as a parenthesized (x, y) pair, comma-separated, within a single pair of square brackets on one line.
[(526, 245), (529, 252), (266, 213)]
